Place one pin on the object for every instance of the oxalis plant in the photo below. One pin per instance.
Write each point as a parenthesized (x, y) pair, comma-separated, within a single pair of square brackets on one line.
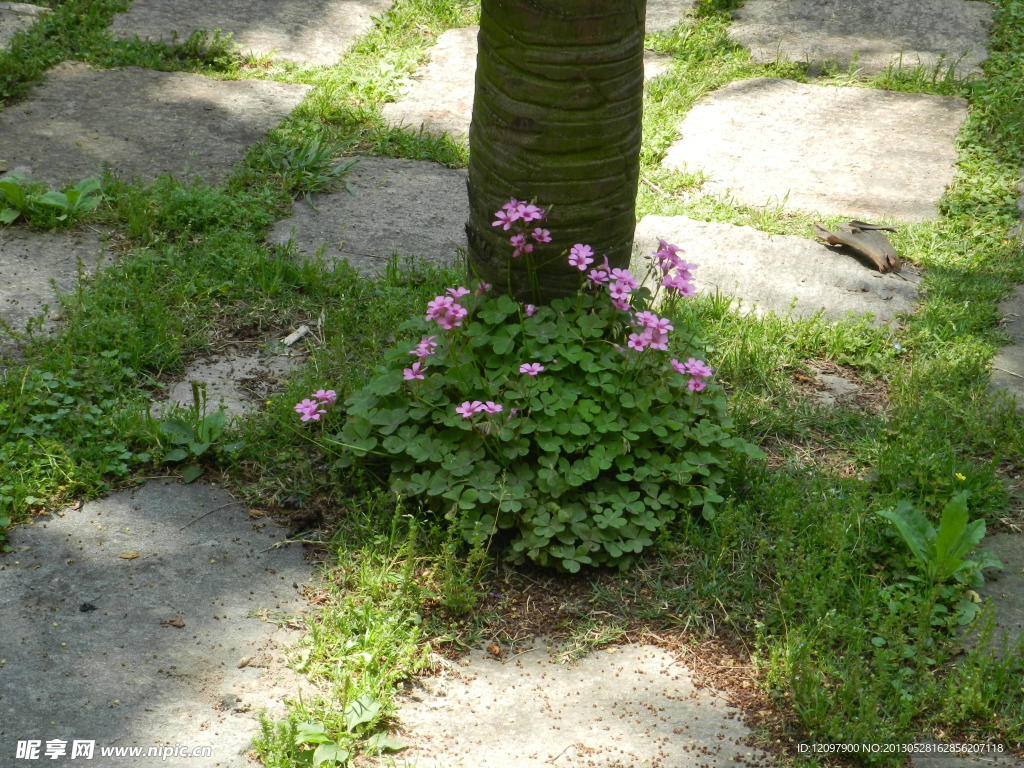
[(577, 431)]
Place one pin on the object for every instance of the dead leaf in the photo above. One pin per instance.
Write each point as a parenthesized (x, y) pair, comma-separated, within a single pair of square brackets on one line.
[(256, 512), (175, 622), (131, 554), (495, 650), (245, 661)]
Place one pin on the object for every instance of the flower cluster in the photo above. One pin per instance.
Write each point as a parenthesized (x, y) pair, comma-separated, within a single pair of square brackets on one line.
[(426, 347), (313, 407), (470, 408), (446, 310), (653, 332), (676, 274), (517, 211), (697, 370)]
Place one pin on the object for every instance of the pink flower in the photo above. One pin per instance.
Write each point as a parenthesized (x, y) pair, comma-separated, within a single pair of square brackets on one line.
[(492, 407), (598, 276), (530, 212), (521, 246), (310, 410), (457, 293), (680, 284), (531, 369), (659, 338), (504, 219), (482, 289), (639, 341), (622, 304), (445, 312), (467, 409), (425, 348), (541, 235), (625, 277), (415, 371), (696, 367), (646, 319), (529, 309), (325, 396), (619, 290), (580, 256)]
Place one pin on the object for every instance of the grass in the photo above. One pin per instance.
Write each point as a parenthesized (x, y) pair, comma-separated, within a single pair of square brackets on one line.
[(797, 575)]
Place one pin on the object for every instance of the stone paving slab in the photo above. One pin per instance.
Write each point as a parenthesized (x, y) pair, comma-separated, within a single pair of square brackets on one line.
[(867, 154), (767, 272), (17, 17), (440, 96), (127, 621), (633, 705), (305, 31), (1008, 365), (35, 266), (1004, 589), (143, 123), (409, 207), (873, 33), (662, 15), (235, 381)]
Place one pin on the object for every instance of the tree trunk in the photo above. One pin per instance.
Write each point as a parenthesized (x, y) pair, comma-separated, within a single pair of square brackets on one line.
[(557, 121)]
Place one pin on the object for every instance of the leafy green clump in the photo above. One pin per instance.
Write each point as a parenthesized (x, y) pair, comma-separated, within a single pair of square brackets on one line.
[(541, 424)]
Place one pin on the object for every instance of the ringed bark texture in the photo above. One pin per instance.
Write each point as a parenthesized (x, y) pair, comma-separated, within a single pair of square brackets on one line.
[(556, 120)]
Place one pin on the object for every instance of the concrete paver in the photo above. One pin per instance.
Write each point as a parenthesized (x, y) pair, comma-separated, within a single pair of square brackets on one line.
[(871, 33), (305, 31), (126, 622), (143, 123), (867, 154), (782, 274), (17, 17), (408, 207)]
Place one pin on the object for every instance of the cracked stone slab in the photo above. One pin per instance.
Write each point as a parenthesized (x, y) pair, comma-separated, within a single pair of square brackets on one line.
[(127, 621), (867, 154), (35, 266), (237, 382), (409, 207), (662, 15), (779, 274), (873, 34), (143, 123), (440, 96), (1004, 589), (17, 17), (304, 31), (1008, 365), (631, 705)]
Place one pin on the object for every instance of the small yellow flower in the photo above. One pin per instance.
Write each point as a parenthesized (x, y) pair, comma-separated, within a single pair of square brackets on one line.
[(960, 477)]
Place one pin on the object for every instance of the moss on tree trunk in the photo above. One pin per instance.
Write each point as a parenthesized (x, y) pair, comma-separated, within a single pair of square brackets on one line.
[(556, 119)]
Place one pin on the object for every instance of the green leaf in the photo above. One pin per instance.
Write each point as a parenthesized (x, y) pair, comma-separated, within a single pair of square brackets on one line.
[(332, 754), (8, 215), (361, 711), (384, 742), (955, 538), (176, 454), (177, 431), (311, 733), (191, 473), (55, 200), (915, 529)]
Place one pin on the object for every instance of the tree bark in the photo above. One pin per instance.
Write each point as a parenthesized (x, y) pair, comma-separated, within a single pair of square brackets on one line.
[(557, 121)]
